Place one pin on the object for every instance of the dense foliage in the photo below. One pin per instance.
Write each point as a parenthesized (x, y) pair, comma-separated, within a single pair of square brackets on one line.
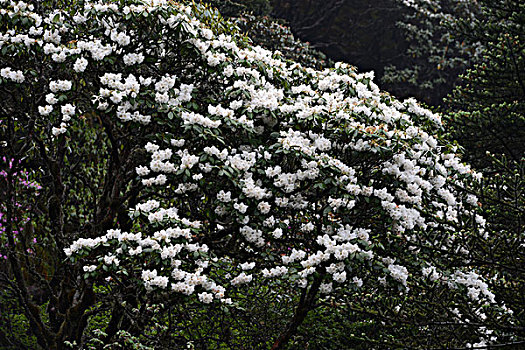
[(437, 51), (193, 190), (487, 117), (488, 106)]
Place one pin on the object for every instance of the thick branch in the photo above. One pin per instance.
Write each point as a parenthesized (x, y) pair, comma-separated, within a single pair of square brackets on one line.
[(305, 305)]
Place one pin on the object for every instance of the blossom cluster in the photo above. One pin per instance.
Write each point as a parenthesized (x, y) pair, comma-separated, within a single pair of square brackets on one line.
[(303, 173)]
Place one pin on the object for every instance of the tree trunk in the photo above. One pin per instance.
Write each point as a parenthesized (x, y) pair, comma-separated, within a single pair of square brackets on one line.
[(305, 305)]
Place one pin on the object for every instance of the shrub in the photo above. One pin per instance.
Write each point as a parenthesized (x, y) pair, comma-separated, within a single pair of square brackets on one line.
[(184, 170)]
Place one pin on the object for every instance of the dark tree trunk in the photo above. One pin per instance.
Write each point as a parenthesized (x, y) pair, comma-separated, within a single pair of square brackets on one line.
[(305, 305)]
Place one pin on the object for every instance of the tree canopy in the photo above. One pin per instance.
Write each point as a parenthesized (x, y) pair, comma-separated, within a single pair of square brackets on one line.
[(186, 173)]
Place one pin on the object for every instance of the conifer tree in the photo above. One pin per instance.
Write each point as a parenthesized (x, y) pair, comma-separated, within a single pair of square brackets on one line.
[(488, 106)]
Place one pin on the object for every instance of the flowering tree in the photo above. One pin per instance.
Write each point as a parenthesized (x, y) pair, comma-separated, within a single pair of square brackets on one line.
[(238, 168), (252, 18), (274, 36)]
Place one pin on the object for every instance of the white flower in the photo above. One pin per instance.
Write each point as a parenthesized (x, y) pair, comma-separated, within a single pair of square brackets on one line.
[(241, 279), (120, 38), (431, 273), (142, 170), (133, 58), (60, 85), (45, 110), (205, 297), (116, 96), (399, 273), (358, 282), (89, 268), (194, 118), (188, 161), (68, 110), (110, 259), (178, 143), (248, 266), (224, 196), (150, 147), (339, 277), (277, 233), (264, 207), (148, 206), (51, 99), (57, 131), (59, 57), (240, 207), (16, 76), (80, 65), (5, 72)]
